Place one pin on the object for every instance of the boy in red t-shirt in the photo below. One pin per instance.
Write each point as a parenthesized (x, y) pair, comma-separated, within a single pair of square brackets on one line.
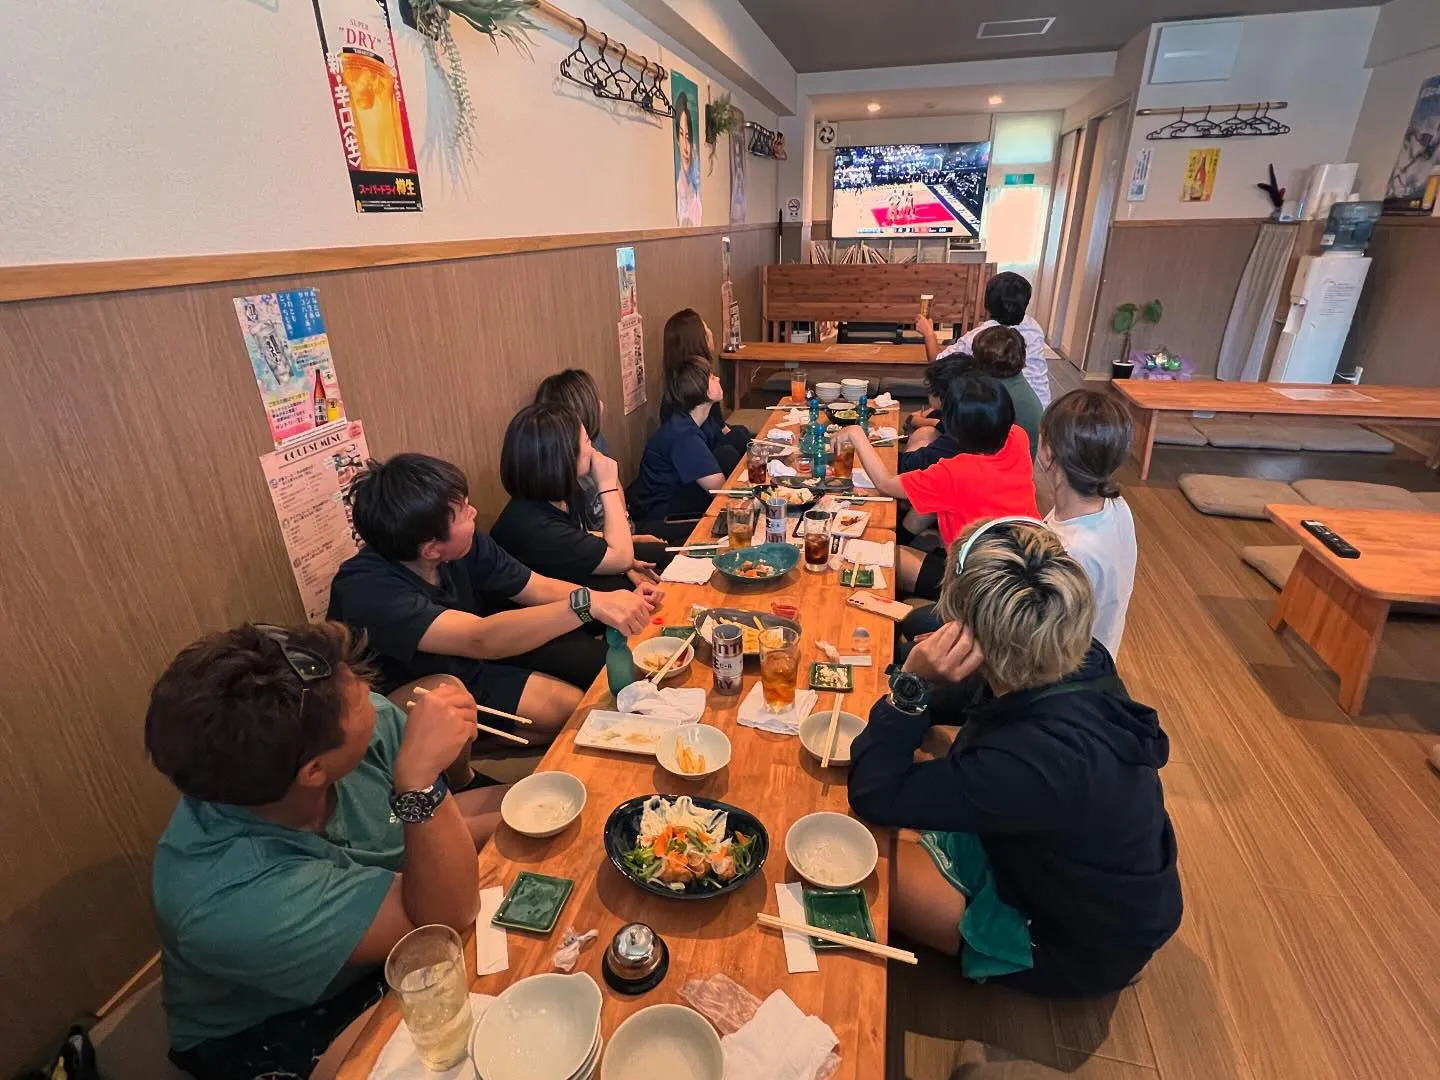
[(990, 477)]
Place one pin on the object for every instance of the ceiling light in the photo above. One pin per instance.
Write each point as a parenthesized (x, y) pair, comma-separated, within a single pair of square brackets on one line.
[(874, 106), (995, 99)]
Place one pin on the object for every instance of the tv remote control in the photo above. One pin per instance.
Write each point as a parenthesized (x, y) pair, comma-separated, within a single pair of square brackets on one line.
[(1331, 539)]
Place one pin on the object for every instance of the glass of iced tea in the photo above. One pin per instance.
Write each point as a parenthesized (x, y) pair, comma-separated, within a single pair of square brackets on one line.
[(741, 523), (426, 969), (842, 465), (757, 462), (816, 528), (779, 665), (797, 387)]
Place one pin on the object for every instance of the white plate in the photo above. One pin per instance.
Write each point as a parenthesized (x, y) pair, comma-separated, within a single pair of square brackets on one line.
[(541, 1026), (664, 1042), (701, 738), (625, 733), (855, 530)]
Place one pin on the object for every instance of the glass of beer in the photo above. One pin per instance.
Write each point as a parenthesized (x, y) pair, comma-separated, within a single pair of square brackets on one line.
[(378, 129), (426, 969), (816, 527), (779, 665), (797, 387), (842, 465), (757, 462), (741, 523)]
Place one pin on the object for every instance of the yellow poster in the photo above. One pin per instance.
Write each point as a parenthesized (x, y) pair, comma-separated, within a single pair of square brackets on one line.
[(1200, 170)]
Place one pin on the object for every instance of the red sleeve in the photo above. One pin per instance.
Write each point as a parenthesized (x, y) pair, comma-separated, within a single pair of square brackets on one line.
[(930, 490)]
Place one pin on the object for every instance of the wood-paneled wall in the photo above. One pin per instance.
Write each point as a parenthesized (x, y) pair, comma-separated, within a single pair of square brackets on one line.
[(1193, 267), (1393, 336), (135, 518)]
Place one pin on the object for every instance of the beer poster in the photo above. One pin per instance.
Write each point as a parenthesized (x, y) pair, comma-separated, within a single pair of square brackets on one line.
[(369, 103), (1414, 184), (1200, 169), (290, 355)]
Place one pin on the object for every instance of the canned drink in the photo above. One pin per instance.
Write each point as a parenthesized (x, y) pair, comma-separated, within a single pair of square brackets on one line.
[(727, 649), (775, 520)]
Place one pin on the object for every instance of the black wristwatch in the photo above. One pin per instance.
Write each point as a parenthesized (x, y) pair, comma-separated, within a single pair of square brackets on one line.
[(415, 807), (908, 692), (580, 605)]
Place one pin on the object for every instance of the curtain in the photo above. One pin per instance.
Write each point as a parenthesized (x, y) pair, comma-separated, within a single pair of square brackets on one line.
[(1247, 333)]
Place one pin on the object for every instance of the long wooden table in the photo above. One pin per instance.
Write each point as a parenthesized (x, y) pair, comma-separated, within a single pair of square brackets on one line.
[(770, 775), (1339, 606), (756, 358), (1149, 398)]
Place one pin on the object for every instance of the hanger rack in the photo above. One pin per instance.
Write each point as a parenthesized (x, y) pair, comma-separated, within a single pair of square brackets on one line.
[(1259, 122), (607, 81)]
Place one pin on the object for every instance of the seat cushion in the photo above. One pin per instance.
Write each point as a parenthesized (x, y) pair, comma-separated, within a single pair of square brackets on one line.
[(903, 388), (1236, 496), (1262, 433), (1357, 495), (1339, 436), (1430, 500), (1175, 429), (1274, 561)]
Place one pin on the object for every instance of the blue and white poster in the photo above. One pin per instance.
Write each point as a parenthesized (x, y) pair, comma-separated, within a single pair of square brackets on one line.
[(686, 99), (1415, 180)]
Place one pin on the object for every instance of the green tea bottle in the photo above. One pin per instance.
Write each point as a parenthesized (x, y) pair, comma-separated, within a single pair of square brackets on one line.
[(619, 663)]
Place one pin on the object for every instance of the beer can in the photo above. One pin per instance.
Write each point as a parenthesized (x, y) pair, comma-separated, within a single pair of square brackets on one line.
[(727, 649), (775, 520)]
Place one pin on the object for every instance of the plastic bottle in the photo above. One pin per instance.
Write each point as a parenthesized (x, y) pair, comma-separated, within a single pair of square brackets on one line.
[(619, 662)]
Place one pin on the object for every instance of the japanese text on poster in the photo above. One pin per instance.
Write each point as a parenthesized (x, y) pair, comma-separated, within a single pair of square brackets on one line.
[(309, 482), (729, 306), (1139, 176), (632, 362), (625, 269), (290, 354), (1414, 184), (1200, 169), (369, 104)]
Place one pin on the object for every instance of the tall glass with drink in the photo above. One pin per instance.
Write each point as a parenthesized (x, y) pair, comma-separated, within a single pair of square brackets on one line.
[(758, 462), (842, 465), (779, 666), (426, 969), (815, 527), (741, 523), (797, 387)]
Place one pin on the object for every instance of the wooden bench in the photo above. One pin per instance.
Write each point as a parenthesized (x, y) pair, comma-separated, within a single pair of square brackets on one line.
[(872, 292), (756, 360)]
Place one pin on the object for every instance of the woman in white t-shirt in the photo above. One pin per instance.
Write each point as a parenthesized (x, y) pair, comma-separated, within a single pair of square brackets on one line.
[(1084, 438)]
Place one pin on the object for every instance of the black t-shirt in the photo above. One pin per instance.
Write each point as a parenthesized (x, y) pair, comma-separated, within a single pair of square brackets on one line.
[(394, 607), (548, 540)]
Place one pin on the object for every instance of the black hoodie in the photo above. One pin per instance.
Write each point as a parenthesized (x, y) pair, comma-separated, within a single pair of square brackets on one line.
[(1063, 790)]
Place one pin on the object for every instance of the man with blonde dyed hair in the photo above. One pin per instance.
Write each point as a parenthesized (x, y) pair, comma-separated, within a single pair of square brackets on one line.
[(1045, 858)]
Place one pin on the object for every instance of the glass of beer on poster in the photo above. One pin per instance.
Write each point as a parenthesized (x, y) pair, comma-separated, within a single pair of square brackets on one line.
[(373, 101), (757, 462), (741, 522), (815, 526), (426, 969), (797, 387), (779, 666)]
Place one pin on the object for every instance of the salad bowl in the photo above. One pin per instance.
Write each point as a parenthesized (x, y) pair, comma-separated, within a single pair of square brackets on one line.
[(703, 834)]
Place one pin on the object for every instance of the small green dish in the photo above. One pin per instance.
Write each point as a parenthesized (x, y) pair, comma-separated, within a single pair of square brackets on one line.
[(835, 678), (843, 910), (779, 558), (533, 903), (864, 580)]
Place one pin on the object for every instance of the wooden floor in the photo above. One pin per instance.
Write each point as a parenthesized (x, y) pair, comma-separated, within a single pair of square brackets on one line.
[(1309, 842)]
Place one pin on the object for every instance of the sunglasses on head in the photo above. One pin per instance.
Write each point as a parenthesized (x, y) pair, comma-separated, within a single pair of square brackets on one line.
[(983, 529), (308, 665)]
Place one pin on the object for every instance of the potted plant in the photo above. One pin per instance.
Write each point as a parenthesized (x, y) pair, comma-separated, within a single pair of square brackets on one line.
[(721, 118), (1123, 322)]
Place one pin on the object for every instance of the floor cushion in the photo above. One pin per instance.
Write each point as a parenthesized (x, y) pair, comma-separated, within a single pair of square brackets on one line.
[(1274, 561), (1336, 435), (1357, 495), (1175, 429), (1236, 496), (904, 388), (1430, 500), (1260, 433)]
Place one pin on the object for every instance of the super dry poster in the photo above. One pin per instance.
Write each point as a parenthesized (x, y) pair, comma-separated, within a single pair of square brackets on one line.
[(369, 103)]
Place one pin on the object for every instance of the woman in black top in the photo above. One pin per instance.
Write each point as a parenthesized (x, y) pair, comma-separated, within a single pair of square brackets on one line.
[(1046, 860), (575, 389), (546, 453)]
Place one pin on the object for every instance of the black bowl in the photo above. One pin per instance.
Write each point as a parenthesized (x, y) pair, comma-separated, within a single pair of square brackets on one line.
[(844, 417), (622, 828)]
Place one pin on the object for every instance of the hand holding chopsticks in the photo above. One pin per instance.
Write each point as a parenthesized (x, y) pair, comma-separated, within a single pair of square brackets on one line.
[(421, 691), (860, 944)]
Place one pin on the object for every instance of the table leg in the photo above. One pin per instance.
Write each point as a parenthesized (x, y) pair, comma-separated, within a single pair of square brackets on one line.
[(1342, 624), (1149, 422)]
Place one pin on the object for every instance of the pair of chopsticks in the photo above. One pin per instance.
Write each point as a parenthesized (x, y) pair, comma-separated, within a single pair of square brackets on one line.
[(707, 550), (421, 691), (864, 498), (831, 732), (660, 675), (872, 947)]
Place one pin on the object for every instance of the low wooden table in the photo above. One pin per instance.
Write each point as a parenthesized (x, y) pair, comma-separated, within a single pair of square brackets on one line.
[(770, 775), (1148, 398), (756, 358), (1339, 606)]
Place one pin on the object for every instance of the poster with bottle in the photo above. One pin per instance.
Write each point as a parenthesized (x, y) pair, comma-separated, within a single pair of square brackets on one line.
[(290, 355), (309, 482), (359, 50), (1200, 169), (625, 269), (1414, 184)]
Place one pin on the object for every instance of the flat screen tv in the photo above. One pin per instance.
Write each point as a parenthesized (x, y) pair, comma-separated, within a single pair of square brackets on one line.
[(932, 190)]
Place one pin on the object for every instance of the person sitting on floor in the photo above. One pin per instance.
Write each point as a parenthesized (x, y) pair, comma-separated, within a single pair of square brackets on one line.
[(547, 452), (1084, 438), (575, 389), (313, 832), (1047, 859), (999, 352), (679, 470), (426, 589), (991, 476), (686, 336), (929, 441), (1007, 296)]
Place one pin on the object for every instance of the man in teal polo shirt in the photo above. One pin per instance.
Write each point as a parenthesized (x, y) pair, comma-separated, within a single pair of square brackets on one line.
[(278, 884)]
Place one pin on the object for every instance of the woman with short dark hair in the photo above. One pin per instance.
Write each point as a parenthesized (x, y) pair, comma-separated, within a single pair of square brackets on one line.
[(686, 336), (575, 389), (546, 453)]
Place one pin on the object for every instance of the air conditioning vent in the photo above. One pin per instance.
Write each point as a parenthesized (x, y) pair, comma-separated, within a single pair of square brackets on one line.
[(1004, 28)]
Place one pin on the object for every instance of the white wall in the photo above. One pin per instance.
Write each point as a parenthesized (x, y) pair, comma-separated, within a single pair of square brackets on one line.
[(1315, 60), (1404, 53), (211, 131), (1124, 83)]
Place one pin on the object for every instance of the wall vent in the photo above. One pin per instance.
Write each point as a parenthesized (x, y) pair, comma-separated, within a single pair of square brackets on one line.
[(1006, 28)]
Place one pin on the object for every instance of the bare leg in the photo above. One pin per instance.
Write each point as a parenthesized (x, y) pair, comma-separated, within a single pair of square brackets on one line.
[(481, 810), (549, 703), (923, 905), (459, 774), (907, 564)]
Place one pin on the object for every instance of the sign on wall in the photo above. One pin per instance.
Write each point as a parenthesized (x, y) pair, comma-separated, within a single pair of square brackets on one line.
[(290, 356), (1413, 187), (738, 168), (686, 99), (1200, 169), (1139, 176), (369, 104)]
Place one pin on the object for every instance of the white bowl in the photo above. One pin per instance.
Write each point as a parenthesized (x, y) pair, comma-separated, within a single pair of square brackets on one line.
[(832, 851), (827, 391), (543, 804), (668, 1041), (816, 726), (702, 739), (543, 1026), (659, 650), (854, 390)]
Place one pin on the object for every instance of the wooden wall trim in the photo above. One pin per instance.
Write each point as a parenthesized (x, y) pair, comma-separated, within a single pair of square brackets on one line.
[(1186, 223), (125, 275)]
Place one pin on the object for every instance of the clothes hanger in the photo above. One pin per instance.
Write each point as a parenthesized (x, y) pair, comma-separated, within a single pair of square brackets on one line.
[(568, 69), (624, 81), (1204, 128), (1176, 129), (1232, 126), (603, 81)]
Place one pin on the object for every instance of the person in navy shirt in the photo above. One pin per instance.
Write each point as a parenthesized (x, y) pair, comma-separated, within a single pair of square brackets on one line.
[(687, 335), (678, 469)]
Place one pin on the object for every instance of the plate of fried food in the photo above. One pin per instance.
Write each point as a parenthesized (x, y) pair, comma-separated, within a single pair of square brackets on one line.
[(750, 623)]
